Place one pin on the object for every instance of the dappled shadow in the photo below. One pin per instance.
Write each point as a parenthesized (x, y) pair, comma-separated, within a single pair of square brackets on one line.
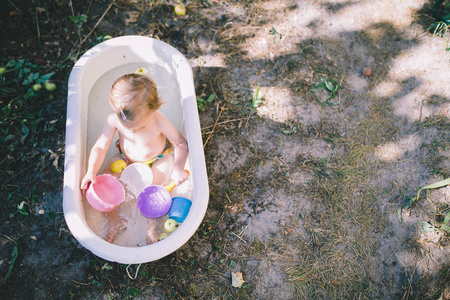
[(388, 100), (336, 7), (300, 179)]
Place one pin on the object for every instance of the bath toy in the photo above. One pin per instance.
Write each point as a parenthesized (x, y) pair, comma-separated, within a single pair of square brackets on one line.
[(118, 166), (106, 194), (179, 209), (170, 225), (137, 177), (87, 108), (155, 201)]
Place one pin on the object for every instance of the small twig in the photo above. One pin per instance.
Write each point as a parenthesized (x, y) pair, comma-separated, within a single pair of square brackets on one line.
[(349, 102), (37, 21), (92, 30), (421, 110), (243, 230), (248, 118), (89, 8), (209, 132), (15, 175), (215, 124), (71, 7), (228, 121), (82, 283), (98, 22), (234, 234), (9, 238), (226, 195), (135, 274)]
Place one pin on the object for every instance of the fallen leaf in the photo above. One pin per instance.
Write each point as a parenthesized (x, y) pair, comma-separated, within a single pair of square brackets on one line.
[(235, 208), (236, 279)]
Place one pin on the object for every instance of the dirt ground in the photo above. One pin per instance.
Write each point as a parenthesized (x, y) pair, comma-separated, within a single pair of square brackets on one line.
[(313, 166)]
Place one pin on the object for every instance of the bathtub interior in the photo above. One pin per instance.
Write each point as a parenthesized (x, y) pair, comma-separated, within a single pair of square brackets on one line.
[(88, 106)]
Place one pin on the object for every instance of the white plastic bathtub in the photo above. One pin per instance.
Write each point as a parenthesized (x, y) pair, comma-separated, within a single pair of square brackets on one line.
[(87, 108)]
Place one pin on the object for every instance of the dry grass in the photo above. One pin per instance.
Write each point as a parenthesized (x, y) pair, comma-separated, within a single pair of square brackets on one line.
[(338, 257), (330, 248)]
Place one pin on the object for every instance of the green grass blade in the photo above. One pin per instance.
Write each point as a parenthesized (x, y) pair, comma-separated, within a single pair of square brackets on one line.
[(435, 185), (11, 264), (445, 226)]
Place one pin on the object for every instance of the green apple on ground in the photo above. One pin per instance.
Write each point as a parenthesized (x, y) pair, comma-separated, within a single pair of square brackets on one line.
[(50, 86), (2, 70), (37, 87), (180, 9), (170, 225)]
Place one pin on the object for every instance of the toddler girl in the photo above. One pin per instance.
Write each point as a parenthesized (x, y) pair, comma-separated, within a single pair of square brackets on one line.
[(144, 136)]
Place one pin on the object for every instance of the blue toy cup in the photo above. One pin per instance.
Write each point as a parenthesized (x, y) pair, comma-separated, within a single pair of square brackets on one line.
[(179, 209)]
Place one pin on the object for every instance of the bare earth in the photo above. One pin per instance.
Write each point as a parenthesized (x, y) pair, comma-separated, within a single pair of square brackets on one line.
[(309, 189)]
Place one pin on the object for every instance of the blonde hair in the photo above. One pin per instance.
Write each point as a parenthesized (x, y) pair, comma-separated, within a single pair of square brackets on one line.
[(130, 93)]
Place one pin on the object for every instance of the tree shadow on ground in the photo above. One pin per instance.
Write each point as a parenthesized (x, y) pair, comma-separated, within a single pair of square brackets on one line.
[(259, 166)]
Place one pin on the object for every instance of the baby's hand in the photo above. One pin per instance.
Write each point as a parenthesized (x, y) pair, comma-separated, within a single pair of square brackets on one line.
[(179, 175), (88, 179)]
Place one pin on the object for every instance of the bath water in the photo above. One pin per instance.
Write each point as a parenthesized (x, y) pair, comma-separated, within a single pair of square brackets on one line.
[(99, 108)]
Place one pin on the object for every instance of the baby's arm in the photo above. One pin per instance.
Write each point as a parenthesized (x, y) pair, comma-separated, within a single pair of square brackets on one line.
[(98, 151), (180, 148)]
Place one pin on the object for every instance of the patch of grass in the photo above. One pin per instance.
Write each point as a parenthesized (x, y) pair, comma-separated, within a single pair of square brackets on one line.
[(14, 254), (335, 271), (26, 98), (133, 292), (276, 35), (329, 85), (343, 233), (441, 29), (21, 85), (22, 79), (201, 103), (435, 230), (256, 99), (78, 20), (440, 122)]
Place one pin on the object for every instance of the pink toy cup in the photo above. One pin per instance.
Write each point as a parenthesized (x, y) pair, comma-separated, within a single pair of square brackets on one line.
[(106, 194)]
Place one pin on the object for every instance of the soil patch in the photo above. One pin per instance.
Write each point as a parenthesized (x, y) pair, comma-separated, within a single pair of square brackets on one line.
[(313, 166)]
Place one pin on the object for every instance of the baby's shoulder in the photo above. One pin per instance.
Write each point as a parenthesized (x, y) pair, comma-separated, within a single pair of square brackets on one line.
[(159, 117), (112, 120)]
